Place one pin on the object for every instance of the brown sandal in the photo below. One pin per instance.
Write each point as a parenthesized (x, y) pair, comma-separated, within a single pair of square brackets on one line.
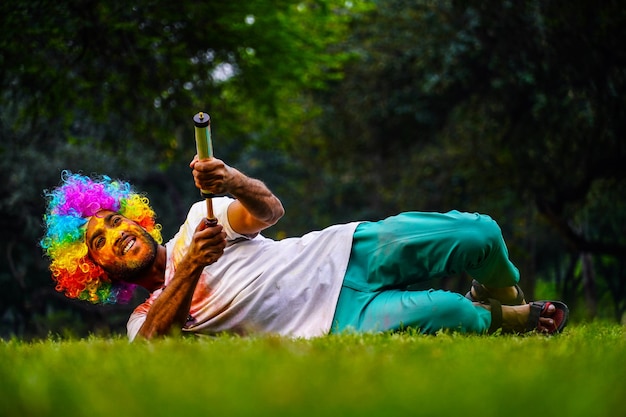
[(560, 316)]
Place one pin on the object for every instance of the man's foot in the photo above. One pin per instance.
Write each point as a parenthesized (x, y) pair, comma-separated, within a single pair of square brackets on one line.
[(546, 317), (515, 319)]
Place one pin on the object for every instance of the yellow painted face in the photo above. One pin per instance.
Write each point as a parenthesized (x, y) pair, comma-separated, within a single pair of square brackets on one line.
[(119, 245)]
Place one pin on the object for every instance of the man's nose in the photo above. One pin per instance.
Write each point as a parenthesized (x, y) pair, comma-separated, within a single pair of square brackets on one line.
[(113, 235)]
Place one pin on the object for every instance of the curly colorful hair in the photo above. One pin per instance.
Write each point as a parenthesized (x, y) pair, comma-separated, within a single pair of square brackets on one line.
[(69, 207)]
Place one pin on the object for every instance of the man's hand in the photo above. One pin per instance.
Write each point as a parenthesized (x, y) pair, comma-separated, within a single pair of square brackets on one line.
[(256, 207), (207, 245), (211, 175)]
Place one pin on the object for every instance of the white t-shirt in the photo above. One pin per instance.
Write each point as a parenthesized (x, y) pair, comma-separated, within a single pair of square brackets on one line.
[(288, 287)]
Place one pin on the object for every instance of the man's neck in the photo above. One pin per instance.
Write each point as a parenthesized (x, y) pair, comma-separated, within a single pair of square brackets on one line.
[(154, 278)]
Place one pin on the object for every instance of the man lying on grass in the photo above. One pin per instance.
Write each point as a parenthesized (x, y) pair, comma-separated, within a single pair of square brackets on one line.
[(102, 240)]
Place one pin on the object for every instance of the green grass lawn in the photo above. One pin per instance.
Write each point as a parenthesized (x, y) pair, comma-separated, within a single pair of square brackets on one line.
[(579, 373)]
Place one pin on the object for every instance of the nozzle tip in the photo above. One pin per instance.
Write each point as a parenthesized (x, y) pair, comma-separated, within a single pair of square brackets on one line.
[(201, 119)]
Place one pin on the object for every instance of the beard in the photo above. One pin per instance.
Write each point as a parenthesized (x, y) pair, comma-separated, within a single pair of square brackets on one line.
[(131, 271)]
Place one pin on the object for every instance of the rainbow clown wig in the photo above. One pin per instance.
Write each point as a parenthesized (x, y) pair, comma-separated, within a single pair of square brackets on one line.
[(70, 206)]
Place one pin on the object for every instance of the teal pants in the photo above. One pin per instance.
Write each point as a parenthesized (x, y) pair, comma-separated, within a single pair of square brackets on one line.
[(390, 255)]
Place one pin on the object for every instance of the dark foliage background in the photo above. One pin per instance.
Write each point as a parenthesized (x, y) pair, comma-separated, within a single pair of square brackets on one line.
[(346, 109)]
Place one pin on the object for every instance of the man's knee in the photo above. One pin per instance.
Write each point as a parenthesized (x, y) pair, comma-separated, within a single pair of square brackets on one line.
[(479, 231)]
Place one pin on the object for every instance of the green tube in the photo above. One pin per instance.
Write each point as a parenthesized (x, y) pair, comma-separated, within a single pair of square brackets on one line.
[(204, 146)]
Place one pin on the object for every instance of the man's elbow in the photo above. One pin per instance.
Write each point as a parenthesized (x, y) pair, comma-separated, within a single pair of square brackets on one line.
[(278, 212)]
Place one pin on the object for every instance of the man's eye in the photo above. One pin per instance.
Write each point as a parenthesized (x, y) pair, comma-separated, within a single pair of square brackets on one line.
[(99, 242), (116, 220)]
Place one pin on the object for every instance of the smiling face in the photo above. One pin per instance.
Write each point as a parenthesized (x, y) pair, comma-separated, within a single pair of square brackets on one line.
[(119, 245)]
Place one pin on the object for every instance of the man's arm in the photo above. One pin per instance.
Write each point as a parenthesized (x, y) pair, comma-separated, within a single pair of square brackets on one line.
[(171, 309), (256, 207)]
